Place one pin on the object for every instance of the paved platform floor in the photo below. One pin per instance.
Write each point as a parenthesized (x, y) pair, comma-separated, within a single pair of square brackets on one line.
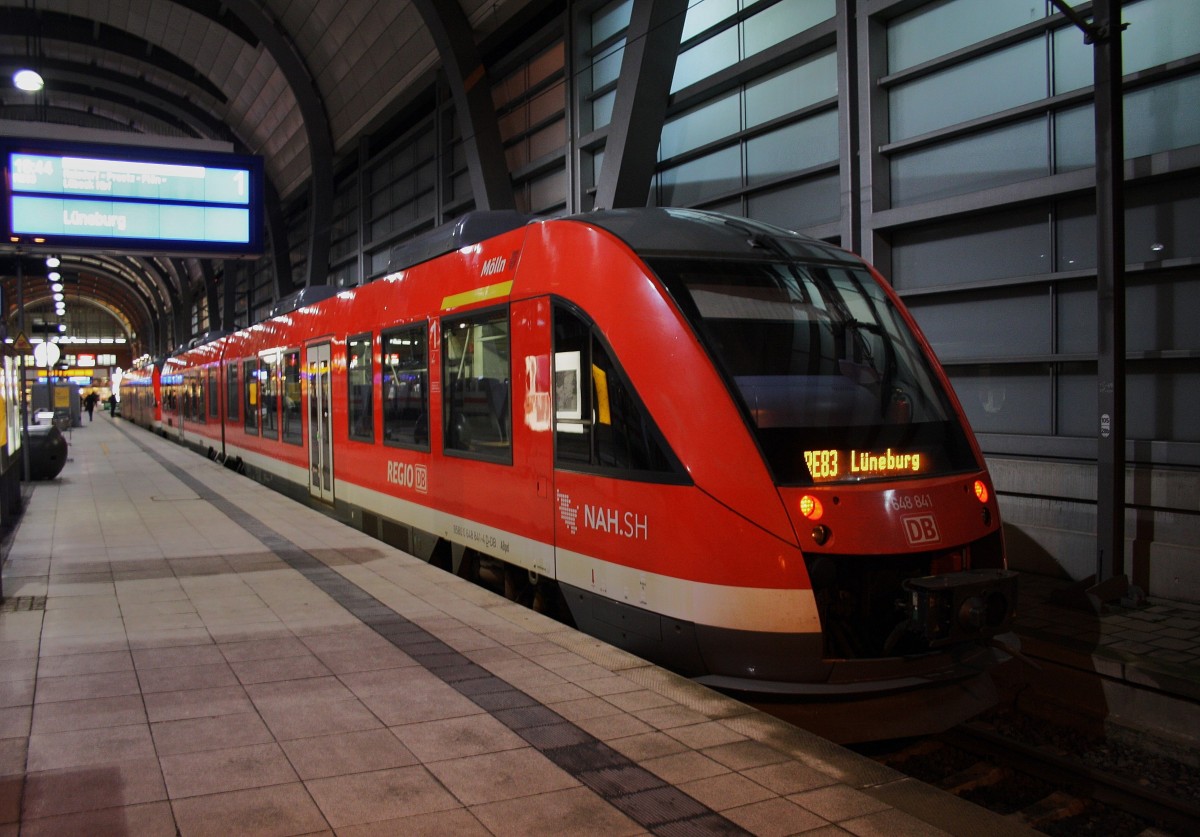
[(173, 663)]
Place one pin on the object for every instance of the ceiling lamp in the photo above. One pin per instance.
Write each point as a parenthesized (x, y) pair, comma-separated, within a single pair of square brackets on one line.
[(28, 80)]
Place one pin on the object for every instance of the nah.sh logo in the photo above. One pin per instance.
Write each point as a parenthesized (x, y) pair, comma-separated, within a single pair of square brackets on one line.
[(569, 513)]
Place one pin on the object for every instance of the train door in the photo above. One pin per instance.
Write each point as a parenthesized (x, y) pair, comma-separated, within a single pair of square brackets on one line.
[(320, 419), (533, 399)]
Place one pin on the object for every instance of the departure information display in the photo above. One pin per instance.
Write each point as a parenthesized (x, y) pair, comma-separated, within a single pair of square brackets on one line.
[(830, 464), (125, 198)]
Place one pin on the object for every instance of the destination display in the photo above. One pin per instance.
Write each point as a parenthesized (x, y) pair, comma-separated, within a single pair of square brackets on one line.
[(830, 464), (121, 198)]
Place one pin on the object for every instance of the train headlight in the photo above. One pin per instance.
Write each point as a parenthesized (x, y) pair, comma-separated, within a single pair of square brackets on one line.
[(811, 507), (981, 491)]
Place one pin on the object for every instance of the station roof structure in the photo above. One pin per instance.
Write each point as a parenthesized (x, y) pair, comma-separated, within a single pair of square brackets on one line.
[(297, 82)]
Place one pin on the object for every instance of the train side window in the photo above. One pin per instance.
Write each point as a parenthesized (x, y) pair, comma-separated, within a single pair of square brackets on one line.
[(250, 367), (405, 361), (269, 378), (214, 403), (198, 389), (293, 430), (233, 398), (476, 375), (360, 390), (600, 424)]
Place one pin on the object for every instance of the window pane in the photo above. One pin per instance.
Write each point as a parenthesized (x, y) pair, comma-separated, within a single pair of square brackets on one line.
[(1167, 405), (779, 22), (625, 437), (995, 158), (986, 85), (793, 148), (293, 430), (233, 398), (1159, 31), (602, 109), (606, 67), (611, 20), (798, 205), (1161, 314), (572, 398), (1077, 324), (705, 58), (476, 373), (1072, 60), (999, 324), (1162, 117), (599, 421), (360, 387), (1074, 139), (1012, 244), (1005, 400), (405, 379), (717, 119), (250, 367), (268, 372), (940, 28), (1161, 220), (706, 13), (807, 83), (214, 402), (709, 176), (1077, 399)]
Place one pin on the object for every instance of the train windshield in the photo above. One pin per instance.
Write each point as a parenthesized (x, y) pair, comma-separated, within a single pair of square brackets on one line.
[(834, 383)]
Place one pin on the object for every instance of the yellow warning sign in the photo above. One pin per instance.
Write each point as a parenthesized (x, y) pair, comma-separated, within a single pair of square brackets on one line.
[(22, 344)]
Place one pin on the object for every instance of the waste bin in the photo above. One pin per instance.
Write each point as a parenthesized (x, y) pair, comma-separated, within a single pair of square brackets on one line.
[(47, 451)]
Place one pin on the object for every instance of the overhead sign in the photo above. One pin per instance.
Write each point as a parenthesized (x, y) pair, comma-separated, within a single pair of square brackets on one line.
[(72, 195)]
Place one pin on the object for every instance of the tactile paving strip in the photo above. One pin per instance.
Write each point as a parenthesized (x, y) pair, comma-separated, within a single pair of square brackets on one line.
[(635, 791)]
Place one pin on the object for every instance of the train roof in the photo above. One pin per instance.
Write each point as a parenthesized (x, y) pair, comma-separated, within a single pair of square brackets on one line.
[(464, 231), (309, 295), (694, 232)]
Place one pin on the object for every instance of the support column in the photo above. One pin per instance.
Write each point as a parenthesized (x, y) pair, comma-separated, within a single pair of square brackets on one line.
[(491, 183), (643, 91)]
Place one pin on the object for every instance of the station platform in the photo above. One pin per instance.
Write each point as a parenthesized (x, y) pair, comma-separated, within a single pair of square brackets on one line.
[(184, 651)]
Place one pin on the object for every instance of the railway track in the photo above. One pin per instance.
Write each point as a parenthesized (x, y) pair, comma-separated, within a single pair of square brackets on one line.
[(1046, 790)]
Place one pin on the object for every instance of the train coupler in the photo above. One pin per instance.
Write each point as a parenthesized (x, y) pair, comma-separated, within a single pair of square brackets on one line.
[(963, 606)]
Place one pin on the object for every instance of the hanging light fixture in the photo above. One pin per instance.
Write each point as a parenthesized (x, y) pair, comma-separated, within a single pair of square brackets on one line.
[(28, 80)]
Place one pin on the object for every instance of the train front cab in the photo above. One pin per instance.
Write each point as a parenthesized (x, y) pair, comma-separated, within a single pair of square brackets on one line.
[(141, 393), (887, 568)]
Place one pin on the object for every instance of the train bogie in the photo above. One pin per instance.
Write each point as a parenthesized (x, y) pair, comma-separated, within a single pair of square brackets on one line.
[(715, 444)]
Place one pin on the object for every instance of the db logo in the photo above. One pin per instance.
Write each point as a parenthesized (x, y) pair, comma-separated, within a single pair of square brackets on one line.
[(920, 529)]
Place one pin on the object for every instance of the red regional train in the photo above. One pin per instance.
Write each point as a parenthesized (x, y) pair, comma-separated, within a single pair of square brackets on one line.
[(720, 445), (140, 394)]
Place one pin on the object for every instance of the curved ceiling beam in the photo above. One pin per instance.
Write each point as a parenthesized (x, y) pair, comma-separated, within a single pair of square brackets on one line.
[(84, 289), (42, 297), (316, 126), (58, 26), (65, 114), (99, 282), (147, 289), (491, 183), (116, 268), (129, 91)]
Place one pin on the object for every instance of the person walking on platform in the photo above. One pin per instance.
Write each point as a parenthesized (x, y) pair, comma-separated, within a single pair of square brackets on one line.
[(89, 403), (112, 404)]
